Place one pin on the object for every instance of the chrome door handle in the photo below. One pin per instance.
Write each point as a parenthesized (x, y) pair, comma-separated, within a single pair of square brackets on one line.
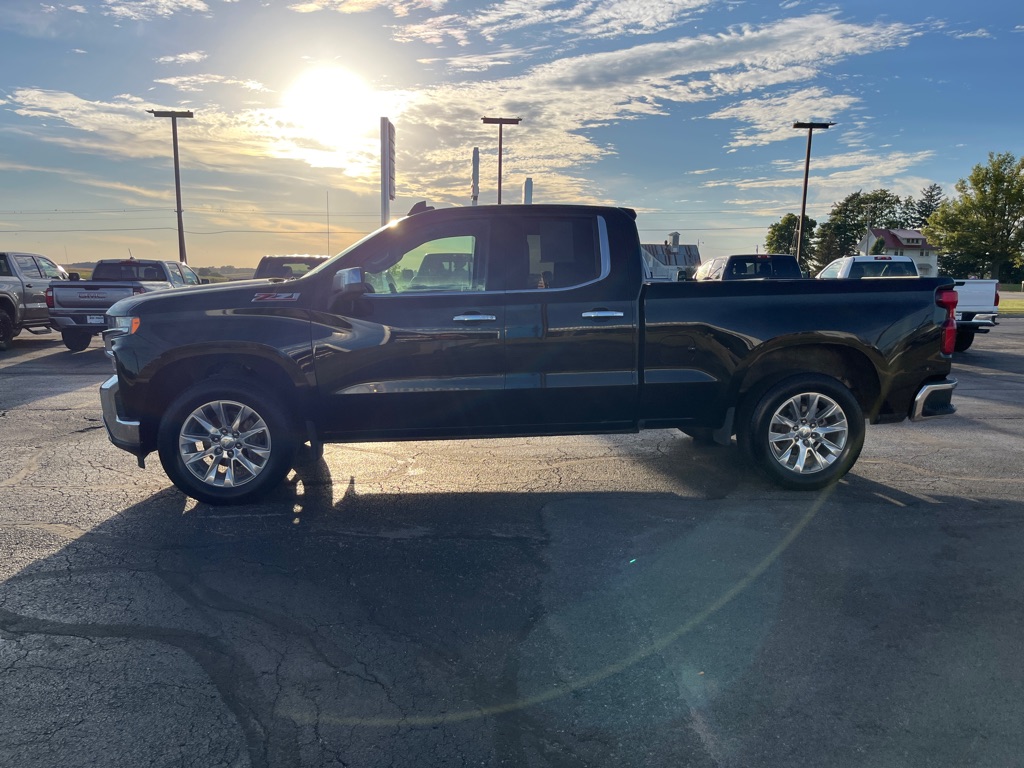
[(474, 318), (602, 313)]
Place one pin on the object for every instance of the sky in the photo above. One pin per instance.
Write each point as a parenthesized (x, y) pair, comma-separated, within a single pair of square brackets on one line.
[(680, 109)]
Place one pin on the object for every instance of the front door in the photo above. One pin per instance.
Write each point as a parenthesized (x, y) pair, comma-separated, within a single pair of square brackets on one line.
[(421, 352)]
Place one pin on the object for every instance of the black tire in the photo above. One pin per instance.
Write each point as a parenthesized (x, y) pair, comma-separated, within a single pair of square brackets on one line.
[(76, 341), (805, 432), (6, 331), (964, 339), (254, 451)]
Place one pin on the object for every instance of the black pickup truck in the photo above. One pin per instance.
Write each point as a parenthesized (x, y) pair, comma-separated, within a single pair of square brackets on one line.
[(508, 320)]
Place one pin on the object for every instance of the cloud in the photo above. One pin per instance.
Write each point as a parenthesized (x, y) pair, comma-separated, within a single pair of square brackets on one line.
[(770, 118), (198, 83), (978, 34), (586, 19), (758, 77), (143, 10), (182, 58), (484, 62), (397, 7)]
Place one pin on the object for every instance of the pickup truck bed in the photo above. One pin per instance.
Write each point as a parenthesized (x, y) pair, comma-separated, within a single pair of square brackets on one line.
[(535, 320)]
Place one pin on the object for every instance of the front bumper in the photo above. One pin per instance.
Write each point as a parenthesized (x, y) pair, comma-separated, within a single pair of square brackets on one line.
[(123, 432), (934, 399)]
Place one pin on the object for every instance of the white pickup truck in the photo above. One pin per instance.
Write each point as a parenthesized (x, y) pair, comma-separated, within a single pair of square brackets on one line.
[(977, 307), (78, 308)]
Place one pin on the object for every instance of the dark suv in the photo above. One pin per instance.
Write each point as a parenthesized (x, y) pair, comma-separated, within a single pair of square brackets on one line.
[(755, 266)]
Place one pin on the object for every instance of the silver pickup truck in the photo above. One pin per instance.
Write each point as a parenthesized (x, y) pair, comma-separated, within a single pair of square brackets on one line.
[(24, 278), (78, 308)]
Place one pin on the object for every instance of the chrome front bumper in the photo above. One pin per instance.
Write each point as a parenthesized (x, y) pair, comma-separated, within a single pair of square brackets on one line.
[(123, 433), (934, 399)]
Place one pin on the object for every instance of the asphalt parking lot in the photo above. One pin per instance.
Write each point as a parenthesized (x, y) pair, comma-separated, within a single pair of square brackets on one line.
[(624, 601)]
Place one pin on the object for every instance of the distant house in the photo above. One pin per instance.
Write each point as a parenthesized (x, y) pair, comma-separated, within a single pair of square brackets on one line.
[(903, 242), (672, 254)]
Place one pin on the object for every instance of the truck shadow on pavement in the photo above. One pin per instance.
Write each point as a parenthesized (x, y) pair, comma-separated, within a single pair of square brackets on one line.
[(519, 628)]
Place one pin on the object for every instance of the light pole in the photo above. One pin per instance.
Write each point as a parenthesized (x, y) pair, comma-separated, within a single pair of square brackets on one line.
[(807, 167), (501, 122), (177, 174)]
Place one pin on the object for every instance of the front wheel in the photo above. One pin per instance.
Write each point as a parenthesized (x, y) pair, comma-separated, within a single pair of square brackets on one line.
[(6, 331), (805, 432), (76, 341), (225, 442)]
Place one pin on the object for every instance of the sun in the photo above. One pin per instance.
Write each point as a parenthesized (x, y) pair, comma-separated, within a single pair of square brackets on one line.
[(332, 114)]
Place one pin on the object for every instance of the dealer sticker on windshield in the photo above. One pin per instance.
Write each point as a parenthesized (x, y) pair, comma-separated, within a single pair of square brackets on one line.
[(276, 297)]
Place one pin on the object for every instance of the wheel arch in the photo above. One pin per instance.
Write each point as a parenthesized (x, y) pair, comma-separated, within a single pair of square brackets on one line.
[(850, 366), (267, 370)]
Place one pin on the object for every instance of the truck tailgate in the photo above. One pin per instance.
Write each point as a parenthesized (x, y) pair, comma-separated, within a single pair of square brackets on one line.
[(85, 296)]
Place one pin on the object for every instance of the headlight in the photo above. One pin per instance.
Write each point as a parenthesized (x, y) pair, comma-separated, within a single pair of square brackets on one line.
[(124, 324)]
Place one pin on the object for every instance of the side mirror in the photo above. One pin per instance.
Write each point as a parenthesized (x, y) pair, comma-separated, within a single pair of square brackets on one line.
[(204, 281), (349, 280), (74, 276)]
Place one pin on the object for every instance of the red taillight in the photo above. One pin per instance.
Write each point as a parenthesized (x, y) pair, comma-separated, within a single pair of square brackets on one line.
[(947, 298), (997, 296), (49, 298)]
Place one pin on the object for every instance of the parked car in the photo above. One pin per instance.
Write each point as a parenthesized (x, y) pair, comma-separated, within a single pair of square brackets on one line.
[(755, 266), (78, 308), (227, 382), (977, 308), (24, 278), (856, 267), (286, 267)]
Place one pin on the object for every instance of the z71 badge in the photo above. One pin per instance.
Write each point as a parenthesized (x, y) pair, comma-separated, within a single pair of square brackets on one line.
[(276, 297)]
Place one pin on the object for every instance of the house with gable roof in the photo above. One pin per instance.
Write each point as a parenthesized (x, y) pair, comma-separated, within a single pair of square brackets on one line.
[(903, 242), (672, 254)]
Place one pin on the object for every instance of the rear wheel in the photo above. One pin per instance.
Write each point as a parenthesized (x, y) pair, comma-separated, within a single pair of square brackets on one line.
[(964, 339), (6, 331), (805, 432), (225, 442), (76, 341)]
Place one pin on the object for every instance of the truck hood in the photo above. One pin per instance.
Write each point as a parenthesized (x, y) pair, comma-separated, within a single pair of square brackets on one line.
[(201, 297)]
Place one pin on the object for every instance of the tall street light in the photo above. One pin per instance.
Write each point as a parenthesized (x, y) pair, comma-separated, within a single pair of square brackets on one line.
[(807, 167), (177, 174), (501, 122)]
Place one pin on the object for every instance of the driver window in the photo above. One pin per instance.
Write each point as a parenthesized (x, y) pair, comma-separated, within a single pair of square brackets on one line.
[(443, 264)]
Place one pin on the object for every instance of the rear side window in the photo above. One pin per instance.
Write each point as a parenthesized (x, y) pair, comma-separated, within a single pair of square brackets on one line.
[(28, 266), (5, 268)]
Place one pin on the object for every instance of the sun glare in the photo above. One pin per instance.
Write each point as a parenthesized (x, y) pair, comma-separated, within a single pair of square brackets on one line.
[(334, 112)]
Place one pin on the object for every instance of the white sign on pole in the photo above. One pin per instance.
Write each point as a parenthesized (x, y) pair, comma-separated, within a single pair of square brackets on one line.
[(387, 169)]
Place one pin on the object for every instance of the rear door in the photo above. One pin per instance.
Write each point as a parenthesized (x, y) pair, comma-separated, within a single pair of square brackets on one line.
[(570, 327), (35, 284), (422, 353)]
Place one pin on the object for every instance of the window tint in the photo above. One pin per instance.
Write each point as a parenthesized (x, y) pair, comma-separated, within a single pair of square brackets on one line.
[(450, 262), (191, 278), (173, 271), (831, 271), (5, 268), (49, 269), (28, 266), (550, 252)]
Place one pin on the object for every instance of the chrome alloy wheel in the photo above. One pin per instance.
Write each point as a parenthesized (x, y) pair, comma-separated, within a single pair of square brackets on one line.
[(807, 433), (224, 443)]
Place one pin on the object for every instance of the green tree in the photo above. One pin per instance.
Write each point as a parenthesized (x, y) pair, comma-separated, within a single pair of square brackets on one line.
[(931, 199), (781, 236), (878, 248), (982, 229), (849, 220)]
